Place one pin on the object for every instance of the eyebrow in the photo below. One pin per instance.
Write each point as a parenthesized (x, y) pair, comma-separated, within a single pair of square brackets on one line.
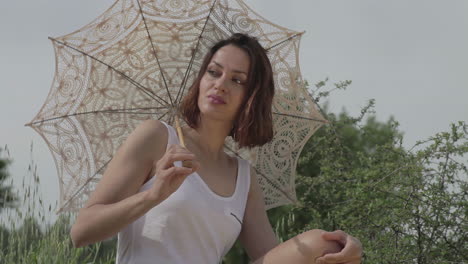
[(221, 66)]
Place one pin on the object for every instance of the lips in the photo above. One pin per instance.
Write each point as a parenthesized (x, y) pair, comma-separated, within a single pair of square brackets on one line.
[(216, 99)]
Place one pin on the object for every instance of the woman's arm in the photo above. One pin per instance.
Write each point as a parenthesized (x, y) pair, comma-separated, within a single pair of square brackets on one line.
[(261, 244), (257, 235), (116, 202)]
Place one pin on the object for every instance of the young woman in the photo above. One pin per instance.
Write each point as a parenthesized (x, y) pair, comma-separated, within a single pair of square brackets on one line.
[(166, 213)]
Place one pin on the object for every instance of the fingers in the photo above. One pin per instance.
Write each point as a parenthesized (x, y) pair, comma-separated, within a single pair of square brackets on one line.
[(332, 258), (165, 166), (338, 258), (337, 235), (175, 171), (176, 153), (351, 253), (182, 171)]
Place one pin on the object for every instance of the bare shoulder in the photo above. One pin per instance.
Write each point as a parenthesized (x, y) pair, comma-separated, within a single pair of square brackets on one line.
[(149, 136), (145, 145)]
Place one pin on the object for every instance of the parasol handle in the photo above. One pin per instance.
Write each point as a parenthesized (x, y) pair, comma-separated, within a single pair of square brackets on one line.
[(185, 163)]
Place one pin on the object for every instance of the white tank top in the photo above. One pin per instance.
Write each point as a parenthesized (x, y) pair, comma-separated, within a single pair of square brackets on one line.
[(194, 225)]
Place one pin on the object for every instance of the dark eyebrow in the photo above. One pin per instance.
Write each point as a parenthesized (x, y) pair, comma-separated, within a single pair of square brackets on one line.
[(221, 66)]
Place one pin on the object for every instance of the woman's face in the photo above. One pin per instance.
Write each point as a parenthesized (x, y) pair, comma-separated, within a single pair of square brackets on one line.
[(224, 84)]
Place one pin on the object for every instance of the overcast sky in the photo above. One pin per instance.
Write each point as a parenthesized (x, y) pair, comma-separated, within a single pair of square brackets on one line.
[(411, 56)]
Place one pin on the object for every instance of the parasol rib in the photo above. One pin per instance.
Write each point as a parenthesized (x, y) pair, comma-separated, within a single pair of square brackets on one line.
[(154, 53), (81, 188), (184, 81), (144, 89), (119, 111), (284, 40), (302, 117)]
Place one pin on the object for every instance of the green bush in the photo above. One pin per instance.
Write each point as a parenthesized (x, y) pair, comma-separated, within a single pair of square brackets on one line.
[(27, 237)]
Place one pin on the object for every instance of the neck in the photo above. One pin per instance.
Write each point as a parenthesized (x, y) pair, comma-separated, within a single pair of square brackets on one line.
[(208, 138)]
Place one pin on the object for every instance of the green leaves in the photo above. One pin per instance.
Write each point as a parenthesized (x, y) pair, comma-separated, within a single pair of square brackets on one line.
[(402, 204), (406, 206)]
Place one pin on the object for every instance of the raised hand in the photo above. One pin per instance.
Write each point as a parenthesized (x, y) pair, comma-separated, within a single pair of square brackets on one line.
[(169, 177)]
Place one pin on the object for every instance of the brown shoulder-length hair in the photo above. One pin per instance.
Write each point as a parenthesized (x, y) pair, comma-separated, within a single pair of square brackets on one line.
[(253, 125)]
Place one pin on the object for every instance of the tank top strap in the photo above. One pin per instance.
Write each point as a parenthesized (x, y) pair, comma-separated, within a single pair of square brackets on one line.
[(172, 138)]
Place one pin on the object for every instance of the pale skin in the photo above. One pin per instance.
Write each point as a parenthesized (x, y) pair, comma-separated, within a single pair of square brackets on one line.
[(116, 201)]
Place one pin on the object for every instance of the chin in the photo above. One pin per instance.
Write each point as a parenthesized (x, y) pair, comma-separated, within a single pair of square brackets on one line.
[(215, 112), (212, 115)]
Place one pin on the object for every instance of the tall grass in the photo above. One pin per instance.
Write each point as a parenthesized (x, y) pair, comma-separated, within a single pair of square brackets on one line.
[(28, 236)]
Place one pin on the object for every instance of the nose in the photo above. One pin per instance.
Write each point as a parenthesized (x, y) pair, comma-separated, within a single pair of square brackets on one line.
[(220, 83)]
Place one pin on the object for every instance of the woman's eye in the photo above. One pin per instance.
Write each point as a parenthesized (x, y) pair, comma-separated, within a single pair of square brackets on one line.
[(213, 73), (238, 81)]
